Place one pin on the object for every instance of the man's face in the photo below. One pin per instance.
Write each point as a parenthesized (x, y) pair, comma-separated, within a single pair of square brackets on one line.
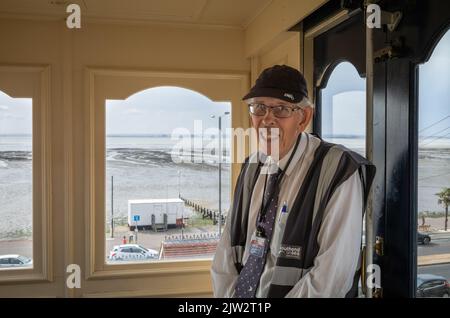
[(279, 132)]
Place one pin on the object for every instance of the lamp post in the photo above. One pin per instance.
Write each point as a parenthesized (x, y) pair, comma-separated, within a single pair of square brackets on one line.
[(182, 211), (179, 173), (112, 206), (220, 169)]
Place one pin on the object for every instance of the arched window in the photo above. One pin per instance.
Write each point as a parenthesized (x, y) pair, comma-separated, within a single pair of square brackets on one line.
[(343, 108), (434, 169), (343, 111), (162, 174)]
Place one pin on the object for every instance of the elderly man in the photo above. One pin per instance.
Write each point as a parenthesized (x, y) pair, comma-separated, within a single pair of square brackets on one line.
[(294, 229)]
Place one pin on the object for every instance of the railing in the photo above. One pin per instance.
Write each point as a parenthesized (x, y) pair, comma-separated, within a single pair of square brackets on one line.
[(205, 212), (191, 237)]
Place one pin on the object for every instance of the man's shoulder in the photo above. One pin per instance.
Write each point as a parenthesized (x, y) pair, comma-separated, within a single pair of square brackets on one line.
[(341, 163), (339, 152)]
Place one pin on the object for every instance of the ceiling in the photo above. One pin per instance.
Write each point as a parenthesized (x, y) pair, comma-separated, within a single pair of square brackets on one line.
[(223, 13)]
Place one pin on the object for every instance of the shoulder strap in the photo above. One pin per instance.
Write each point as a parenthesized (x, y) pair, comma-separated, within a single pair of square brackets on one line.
[(240, 209)]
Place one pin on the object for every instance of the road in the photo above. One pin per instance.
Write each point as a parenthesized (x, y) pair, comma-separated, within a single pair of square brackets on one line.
[(441, 270), (21, 247), (440, 244)]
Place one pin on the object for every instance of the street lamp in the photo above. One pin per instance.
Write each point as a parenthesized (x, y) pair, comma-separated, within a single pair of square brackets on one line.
[(112, 206), (220, 168), (182, 211), (179, 173)]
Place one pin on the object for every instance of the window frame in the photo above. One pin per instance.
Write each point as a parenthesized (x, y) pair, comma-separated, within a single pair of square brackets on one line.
[(394, 137), (30, 81), (103, 84)]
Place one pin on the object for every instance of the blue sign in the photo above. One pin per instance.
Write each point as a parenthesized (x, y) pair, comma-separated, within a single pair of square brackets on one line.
[(136, 218)]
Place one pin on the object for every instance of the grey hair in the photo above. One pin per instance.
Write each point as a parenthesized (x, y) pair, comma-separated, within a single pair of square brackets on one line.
[(305, 102)]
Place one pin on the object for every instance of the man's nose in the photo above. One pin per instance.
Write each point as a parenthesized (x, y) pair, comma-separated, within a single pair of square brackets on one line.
[(269, 119)]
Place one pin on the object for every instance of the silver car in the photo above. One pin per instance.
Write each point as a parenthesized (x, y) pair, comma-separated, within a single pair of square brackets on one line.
[(132, 252), (14, 260)]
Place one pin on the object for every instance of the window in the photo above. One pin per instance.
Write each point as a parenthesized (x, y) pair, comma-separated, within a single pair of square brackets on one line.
[(434, 165), (425, 285), (108, 88), (437, 283), (16, 206), (344, 108), (162, 173)]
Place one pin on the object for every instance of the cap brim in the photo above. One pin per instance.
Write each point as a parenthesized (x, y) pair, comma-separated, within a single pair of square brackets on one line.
[(274, 93)]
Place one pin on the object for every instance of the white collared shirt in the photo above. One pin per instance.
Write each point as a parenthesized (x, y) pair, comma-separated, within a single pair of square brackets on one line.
[(339, 237)]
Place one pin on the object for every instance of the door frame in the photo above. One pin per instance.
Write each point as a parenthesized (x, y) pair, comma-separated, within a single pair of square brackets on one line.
[(394, 129)]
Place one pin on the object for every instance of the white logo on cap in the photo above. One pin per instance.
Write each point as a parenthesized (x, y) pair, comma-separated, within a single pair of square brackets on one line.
[(289, 96)]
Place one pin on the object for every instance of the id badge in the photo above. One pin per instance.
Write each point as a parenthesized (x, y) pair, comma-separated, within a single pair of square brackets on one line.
[(257, 246)]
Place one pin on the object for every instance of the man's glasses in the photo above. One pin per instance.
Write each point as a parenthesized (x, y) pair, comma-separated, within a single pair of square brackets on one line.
[(281, 111)]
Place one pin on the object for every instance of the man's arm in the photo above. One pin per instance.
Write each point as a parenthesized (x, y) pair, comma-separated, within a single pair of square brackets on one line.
[(340, 242), (223, 271)]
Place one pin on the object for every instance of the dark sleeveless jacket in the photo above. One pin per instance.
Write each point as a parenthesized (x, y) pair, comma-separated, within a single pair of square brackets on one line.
[(332, 165)]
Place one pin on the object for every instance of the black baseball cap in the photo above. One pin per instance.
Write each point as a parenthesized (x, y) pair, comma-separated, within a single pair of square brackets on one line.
[(282, 82)]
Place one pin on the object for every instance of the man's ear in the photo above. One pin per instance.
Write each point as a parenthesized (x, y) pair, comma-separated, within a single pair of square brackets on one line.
[(307, 116)]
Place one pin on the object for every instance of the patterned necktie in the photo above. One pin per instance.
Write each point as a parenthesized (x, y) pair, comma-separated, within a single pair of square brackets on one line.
[(250, 274)]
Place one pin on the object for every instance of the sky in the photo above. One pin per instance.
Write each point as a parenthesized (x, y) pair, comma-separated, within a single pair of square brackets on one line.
[(160, 110), (344, 103), (344, 98), (15, 115), (434, 92), (349, 107)]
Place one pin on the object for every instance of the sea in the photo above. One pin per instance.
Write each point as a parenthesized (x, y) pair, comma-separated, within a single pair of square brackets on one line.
[(152, 167)]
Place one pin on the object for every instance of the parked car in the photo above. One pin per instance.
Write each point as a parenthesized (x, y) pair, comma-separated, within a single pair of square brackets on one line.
[(429, 285), (423, 238), (15, 260), (132, 252)]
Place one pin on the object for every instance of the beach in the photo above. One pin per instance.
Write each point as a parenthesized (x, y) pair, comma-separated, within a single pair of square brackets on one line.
[(143, 168)]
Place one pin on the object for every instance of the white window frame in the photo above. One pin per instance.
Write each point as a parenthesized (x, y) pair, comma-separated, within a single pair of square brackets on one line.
[(34, 82), (105, 84)]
